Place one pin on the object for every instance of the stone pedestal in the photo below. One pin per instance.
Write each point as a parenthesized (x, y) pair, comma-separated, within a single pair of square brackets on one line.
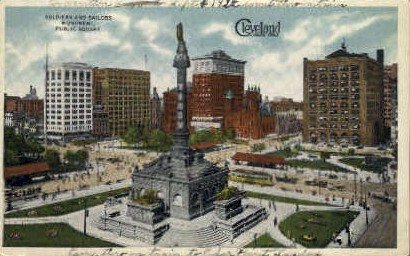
[(148, 214), (226, 209)]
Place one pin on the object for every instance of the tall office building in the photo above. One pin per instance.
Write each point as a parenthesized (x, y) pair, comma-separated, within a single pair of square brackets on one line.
[(390, 93), (343, 98), (68, 101), (125, 95), (214, 75)]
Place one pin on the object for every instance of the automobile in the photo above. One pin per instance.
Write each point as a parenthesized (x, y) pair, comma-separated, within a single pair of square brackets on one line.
[(343, 145), (360, 147)]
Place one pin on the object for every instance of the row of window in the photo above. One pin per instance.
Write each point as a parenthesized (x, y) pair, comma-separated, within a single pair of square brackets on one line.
[(333, 90), (336, 68), (334, 76), (49, 105), (70, 74), (342, 83), (67, 84)]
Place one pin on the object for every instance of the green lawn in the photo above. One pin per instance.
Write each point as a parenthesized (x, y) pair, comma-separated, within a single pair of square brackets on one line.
[(283, 153), (68, 206), (315, 164), (265, 241), (49, 235), (250, 180), (314, 229), (282, 199), (380, 163)]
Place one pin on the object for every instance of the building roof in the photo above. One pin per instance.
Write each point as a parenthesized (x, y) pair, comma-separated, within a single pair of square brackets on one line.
[(258, 159), (203, 145), (344, 53), (218, 55), (26, 169)]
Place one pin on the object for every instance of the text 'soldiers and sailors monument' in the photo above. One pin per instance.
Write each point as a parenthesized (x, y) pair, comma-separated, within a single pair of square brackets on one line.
[(183, 179)]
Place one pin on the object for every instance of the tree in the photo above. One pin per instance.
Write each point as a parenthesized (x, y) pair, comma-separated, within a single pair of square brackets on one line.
[(351, 152), (52, 157), (132, 135), (258, 147), (82, 157), (230, 134), (159, 140), (11, 158), (324, 155)]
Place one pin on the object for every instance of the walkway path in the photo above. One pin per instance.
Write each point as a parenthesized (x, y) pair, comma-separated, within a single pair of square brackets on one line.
[(21, 205)]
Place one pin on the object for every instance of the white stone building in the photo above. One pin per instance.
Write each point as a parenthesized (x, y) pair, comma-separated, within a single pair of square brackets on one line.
[(68, 101)]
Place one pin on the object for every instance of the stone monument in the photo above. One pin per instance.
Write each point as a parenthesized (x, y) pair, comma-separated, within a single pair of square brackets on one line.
[(185, 182)]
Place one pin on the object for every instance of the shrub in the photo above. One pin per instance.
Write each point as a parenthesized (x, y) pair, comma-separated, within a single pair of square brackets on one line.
[(227, 193), (149, 197)]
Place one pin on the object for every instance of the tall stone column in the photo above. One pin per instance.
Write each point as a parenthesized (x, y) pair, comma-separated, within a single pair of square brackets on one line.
[(181, 63)]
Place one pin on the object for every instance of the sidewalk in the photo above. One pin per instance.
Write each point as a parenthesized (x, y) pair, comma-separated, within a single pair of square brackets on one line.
[(21, 205)]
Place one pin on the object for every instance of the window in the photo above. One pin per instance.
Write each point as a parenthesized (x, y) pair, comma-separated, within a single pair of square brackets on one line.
[(53, 75)]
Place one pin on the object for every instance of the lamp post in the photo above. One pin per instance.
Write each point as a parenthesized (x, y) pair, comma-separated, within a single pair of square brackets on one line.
[(355, 187), (85, 215), (365, 205), (361, 190), (105, 216)]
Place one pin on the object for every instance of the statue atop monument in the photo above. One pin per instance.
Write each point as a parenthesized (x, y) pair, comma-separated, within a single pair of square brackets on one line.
[(180, 33)]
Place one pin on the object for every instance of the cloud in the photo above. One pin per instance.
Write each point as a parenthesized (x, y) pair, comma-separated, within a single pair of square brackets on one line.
[(150, 29), (227, 33), (123, 20), (284, 68)]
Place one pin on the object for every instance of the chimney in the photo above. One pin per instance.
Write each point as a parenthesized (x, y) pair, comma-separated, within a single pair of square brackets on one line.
[(380, 56)]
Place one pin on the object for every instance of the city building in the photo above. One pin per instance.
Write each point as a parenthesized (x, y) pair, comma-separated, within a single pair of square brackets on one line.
[(68, 101), (125, 95), (169, 117), (390, 100), (12, 104), (101, 128), (156, 111), (253, 120), (24, 114), (289, 115), (343, 98), (169, 113), (213, 76), (30, 105)]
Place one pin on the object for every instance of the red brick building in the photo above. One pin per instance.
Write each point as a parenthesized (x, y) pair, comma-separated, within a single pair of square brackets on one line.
[(252, 121), (29, 105), (214, 76), (169, 113)]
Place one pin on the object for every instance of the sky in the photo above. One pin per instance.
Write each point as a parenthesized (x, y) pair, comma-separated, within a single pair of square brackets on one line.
[(274, 63)]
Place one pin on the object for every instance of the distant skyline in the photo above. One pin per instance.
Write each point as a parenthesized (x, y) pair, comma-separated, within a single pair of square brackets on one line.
[(274, 63)]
